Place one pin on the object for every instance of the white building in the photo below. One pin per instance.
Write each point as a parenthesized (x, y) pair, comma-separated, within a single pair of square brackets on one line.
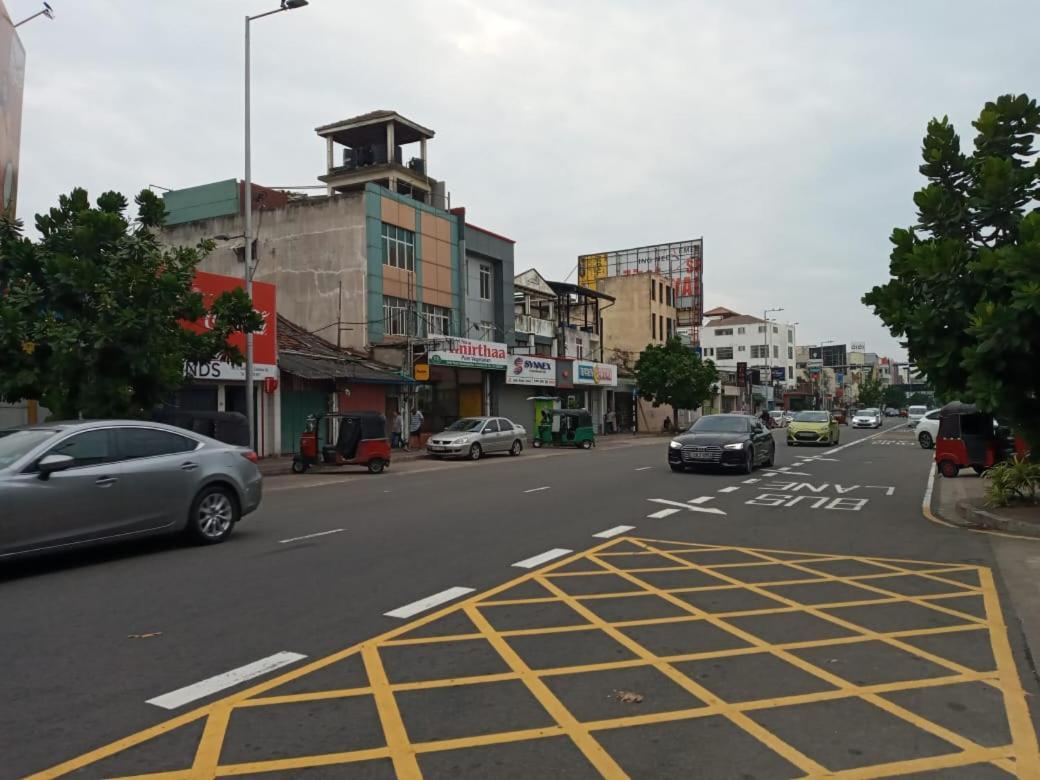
[(728, 338)]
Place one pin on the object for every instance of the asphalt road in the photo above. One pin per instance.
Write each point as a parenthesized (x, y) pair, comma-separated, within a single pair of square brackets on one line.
[(87, 641)]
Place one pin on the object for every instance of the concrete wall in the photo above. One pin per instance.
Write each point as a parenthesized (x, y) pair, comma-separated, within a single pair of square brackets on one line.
[(626, 324), (306, 250), (498, 252)]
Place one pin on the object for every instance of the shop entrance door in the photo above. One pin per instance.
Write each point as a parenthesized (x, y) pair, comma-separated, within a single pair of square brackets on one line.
[(471, 401)]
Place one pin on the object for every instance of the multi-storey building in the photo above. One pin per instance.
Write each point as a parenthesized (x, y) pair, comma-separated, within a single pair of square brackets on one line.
[(729, 338)]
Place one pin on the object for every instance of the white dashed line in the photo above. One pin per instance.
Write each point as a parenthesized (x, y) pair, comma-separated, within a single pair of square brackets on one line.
[(199, 690), (427, 603), (545, 557), (311, 536), (700, 499), (750, 481), (663, 513), (535, 490), (615, 531), (729, 489)]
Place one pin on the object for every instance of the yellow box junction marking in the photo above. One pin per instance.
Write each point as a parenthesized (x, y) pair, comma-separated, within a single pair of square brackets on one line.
[(607, 563)]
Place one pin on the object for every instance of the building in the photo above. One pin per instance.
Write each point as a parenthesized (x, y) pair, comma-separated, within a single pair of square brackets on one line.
[(377, 265), (643, 314), (729, 338)]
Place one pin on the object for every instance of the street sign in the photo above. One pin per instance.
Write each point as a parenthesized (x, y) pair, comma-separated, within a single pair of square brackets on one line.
[(421, 372), (741, 374)]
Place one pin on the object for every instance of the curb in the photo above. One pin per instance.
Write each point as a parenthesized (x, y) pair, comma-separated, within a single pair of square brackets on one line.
[(976, 520)]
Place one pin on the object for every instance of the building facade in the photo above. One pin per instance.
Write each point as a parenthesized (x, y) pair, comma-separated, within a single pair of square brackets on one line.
[(729, 338)]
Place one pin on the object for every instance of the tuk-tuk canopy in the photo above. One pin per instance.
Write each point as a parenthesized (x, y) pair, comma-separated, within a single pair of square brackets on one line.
[(957, 408), (958, 419)]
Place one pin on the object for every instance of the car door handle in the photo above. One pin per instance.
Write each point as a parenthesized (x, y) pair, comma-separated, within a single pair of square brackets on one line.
[(105, 481), (189, 466)]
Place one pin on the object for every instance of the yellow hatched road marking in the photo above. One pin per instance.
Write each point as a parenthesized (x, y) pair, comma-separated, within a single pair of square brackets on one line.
[(405, 765)]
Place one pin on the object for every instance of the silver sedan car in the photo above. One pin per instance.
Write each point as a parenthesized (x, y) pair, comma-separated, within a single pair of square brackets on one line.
[(70, 484), (472, 437)]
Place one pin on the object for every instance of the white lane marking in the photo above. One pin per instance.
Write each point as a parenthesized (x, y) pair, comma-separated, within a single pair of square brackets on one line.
[(750, 481), (311, 536), (729, 489), (926, 504), (860, 441), (663, 513), (644, 468), (784, 468), (428, 603), (617, 529), (535, 490), (700, 499), (706, 509), (545, 557), (199, 690)]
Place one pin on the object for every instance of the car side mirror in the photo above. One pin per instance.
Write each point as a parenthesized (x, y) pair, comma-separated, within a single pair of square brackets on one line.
[(49, 464)]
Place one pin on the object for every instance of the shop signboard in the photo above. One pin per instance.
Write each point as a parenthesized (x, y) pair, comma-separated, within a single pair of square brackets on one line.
[(531, 370), (469, 353), (742, 373), (265, 340), (779, 373), (589, 373)]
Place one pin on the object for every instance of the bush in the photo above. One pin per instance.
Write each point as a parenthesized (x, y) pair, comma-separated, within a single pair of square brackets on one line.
[(1015, 480)]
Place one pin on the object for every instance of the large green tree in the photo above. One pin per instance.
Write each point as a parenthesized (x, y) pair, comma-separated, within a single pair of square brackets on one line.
[(90, 315), (870, 393), (671, 374), (965, 287), (894, 397)]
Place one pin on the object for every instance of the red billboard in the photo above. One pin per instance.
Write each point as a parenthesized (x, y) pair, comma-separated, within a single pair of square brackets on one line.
[(265, 344), (12, 77)]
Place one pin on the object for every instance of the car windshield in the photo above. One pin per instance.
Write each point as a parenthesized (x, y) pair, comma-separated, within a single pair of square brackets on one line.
[(466, 424), (14, 444), (812, 417), (720, 424)]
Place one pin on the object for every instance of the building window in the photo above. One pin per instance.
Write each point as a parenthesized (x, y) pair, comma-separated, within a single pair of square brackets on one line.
[(485, 282), (758, 351), (653, 326), (761, 328), (395, 316), (740, 348), (790, 373), (740, 331), (660, 291), (776, 329), (723, 331), (653, 290), (660, 321), (581, 350), (725, 353), (776, 351), (486, 330), (398, 247), (790, 337), (668, 295), (437, 320), (668, 324), (790, 353)]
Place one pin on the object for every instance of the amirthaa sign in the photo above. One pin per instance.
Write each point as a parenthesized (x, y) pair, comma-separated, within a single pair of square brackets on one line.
[(468, 353)]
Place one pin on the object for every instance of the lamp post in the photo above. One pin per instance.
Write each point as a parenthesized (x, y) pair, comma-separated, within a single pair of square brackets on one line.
[(769, 342), (47, 11), (247, 271)]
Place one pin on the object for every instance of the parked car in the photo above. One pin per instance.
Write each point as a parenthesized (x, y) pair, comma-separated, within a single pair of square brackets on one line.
[(812, 427), (473, 437), (891, 412), (733, 440), (70, 484), (867, 418), (788, 416), (928, 429), (914, 415), (779, 419)]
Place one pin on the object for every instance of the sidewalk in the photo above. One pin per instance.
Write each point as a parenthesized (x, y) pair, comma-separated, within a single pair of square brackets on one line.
[(962, 501), (277, 466)]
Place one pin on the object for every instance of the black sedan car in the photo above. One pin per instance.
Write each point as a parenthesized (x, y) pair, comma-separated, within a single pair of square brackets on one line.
[(731, 440)]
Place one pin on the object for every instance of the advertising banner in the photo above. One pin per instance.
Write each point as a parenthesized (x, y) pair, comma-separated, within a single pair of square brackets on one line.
[(589, 373), (531, 370), (469, 353), (779, 373)]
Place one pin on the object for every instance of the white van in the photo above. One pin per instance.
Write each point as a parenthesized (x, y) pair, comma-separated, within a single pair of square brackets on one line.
[(914, 414)]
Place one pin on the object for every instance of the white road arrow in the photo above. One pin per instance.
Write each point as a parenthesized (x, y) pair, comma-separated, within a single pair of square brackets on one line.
[(691, 505)]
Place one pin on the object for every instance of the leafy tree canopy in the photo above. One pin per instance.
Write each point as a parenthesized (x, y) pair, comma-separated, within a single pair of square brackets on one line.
[(90, 314), (670, 374), (870, 392), (965, 287), (894, 397)]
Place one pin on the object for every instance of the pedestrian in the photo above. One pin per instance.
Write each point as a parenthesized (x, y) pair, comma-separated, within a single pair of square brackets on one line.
[(416, 425), (612, 421), (766, 419), (395, 430)]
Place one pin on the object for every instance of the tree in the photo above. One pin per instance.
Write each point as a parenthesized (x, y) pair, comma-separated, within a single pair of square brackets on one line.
[(965, 287), (919, 399), (894, 397), (870, 392), (90, 315), (670, 374)]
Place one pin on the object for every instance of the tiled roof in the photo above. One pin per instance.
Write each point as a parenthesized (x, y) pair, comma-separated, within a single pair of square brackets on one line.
[(309, 356)]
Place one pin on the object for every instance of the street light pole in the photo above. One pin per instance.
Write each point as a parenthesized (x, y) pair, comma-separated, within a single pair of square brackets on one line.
[(769, 343), (247, 270)]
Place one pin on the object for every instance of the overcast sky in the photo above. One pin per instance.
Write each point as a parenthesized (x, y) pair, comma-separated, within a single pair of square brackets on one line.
[(786, 134)]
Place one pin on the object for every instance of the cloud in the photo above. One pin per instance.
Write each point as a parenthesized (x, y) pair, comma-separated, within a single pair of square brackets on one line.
[(786, 135)]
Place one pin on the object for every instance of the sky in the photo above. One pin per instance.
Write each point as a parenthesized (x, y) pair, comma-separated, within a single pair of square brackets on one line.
[(787, 135)]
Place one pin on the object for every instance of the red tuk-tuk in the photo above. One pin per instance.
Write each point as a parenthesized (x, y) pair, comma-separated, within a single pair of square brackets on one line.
[(360, 441), (971, 438)]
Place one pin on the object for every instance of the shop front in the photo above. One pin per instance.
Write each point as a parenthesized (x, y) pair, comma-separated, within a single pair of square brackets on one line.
[(528, 380), (462, 376), (217, 385), (583, 384)]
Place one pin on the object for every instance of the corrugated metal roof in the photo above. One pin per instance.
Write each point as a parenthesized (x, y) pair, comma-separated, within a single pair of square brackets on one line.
[(309, 356)]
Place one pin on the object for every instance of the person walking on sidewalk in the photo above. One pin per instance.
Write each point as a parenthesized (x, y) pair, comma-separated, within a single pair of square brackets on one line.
[(395, 430), (416, 425)]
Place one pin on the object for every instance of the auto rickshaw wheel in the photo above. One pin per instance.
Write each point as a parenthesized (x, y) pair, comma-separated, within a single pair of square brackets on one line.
[(949, 469), (299, 466), (587, 444), (376, 465)]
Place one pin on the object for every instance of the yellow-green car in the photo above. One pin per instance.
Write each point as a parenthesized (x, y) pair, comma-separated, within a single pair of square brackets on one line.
[(812, 427)]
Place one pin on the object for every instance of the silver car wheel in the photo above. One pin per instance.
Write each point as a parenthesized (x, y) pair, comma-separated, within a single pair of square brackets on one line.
[(214, 515)]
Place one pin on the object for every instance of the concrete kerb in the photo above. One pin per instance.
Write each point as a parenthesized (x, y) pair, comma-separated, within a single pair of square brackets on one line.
[(960, 502)]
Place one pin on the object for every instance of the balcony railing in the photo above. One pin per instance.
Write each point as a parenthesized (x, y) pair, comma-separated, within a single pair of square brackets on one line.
[(525, 323)]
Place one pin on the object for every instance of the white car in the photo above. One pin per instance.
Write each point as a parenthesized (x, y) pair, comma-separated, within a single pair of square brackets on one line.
[(867, 418), (914, 415), (928, 429)]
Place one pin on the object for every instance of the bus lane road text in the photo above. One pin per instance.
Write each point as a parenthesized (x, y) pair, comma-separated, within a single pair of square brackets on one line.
[(828, 495)]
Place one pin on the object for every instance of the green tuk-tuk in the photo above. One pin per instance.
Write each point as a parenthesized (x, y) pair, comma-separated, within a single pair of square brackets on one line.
[(565, 428)]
